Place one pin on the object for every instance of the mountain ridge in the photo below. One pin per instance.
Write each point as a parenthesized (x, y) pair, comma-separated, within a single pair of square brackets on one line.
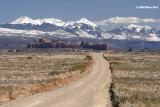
[(81, 28)]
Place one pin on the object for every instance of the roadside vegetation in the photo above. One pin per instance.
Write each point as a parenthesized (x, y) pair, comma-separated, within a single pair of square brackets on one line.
[(136, 79), (30, 73)]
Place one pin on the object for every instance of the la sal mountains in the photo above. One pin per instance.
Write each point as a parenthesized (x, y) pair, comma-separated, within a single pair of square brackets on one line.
[(83, 28)]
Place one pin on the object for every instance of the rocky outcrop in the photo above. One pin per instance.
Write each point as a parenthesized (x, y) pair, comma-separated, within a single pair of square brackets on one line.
[(49, 43), (94, 46)]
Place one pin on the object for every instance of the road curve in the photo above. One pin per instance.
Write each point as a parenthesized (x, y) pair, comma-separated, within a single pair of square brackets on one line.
[(91, 90)]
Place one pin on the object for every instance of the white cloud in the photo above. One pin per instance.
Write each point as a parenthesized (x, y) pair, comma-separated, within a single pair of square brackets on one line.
[(150, 20), (126, 20)]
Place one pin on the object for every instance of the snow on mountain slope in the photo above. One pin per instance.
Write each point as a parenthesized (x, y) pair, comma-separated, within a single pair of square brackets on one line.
[(27, 20), (136, 27), (84, 34), (86, 21), (57, 22), (81, 21), (13, 31), (24, 20), (34, 33), (83, 28), (152, 37), (139, 28), (125, 36), (114, 36)]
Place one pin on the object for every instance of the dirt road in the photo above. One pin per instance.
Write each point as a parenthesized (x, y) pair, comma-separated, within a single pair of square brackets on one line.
[(91, 90)]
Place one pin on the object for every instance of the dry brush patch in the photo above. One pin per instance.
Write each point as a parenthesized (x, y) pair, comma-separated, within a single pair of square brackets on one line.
[(136, 78), (30, 73)]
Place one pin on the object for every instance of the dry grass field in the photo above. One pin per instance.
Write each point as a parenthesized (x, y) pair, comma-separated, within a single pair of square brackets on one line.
[(23, 74), (136, 79)]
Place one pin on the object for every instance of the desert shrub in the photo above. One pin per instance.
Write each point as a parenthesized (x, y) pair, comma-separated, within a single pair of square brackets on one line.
[(79, 66), (29, 57), (6, 89), (88, 57)]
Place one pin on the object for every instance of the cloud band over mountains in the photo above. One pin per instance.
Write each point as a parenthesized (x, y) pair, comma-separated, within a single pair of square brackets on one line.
[(127, 20)]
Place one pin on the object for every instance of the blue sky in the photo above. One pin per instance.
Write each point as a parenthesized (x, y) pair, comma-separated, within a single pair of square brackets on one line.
[(75, 9)]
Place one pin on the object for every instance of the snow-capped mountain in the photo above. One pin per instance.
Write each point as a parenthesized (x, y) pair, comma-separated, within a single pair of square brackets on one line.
[(25, 26), (80, 28), (136, 32), (27, 20), (23, 20), (137, 29), (81, 21), (83, 26)]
